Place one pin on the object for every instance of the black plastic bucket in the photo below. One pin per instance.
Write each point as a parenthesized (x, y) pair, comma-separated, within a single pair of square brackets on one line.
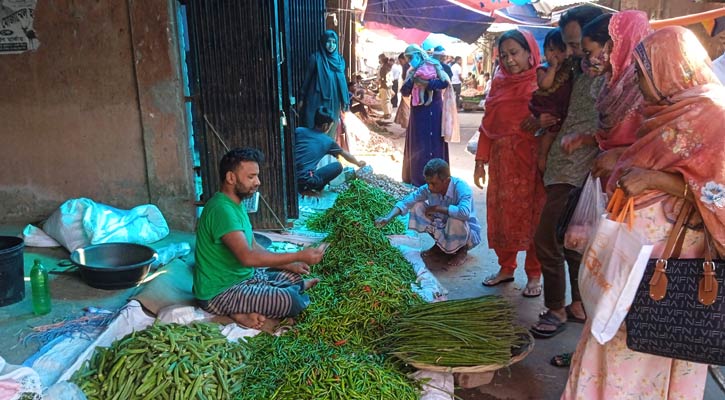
[(12, 283)]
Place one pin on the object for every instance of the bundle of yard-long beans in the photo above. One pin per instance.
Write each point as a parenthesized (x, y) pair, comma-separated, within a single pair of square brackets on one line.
[(456, 333), (164, 361), (362, 200)]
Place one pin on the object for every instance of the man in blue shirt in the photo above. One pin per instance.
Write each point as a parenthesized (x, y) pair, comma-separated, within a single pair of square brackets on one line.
[(313, 144), (443, 208)]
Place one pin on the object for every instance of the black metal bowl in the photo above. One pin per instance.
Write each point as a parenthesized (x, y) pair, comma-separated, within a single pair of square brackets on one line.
[(114, 265)]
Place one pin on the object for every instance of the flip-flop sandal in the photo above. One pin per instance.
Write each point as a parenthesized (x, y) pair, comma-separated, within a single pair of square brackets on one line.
[(562, 360), (494, 281), (536, 291), (573, 318), (549, 319)]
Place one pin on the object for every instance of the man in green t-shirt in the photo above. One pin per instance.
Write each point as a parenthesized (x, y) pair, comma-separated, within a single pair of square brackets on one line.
[(230, 277)]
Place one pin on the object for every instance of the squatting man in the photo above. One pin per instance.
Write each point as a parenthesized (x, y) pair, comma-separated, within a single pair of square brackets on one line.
[(443, 208)]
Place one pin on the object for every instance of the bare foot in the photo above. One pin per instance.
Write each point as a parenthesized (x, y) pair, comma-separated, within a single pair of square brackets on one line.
[(458, 257), (310, 283), (433, 252), (250, 320)]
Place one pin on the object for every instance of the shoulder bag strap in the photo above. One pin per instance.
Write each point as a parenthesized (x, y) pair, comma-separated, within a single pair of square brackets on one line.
[(708, 286), (658, 283)]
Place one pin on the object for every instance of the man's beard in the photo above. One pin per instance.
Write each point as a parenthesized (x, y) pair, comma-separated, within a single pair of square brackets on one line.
[(244, 195)]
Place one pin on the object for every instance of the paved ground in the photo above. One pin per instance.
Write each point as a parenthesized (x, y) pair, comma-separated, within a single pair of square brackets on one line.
[(533, 378)]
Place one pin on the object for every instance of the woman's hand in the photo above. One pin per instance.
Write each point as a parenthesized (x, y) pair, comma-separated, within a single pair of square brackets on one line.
[(479, 174), (573, 141), (530, 124), (547, 120), (604, 163), (636, 180)]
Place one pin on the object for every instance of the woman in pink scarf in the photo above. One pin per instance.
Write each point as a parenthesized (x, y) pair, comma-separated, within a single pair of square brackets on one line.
[(676, 158), (515, 194)]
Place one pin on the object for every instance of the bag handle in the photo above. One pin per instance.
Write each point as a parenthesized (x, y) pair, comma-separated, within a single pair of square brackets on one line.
[(707, 288), (658, 282), (621, 208), (614, 207)]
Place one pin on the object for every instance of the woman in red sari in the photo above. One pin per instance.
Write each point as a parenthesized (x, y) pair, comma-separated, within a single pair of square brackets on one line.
[(515, 194), (676, 158)]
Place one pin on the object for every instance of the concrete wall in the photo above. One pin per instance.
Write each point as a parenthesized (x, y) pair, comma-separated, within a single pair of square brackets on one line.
[(95, 112)]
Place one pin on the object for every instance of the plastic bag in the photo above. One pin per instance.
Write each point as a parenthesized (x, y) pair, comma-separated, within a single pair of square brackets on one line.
[(472, 145), (589, 209), (81, 222)]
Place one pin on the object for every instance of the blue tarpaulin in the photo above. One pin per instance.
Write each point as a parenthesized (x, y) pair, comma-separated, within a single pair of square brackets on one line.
[(439, 16)]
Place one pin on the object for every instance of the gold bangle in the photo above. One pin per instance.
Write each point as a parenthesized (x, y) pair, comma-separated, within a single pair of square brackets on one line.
[(684, 195)]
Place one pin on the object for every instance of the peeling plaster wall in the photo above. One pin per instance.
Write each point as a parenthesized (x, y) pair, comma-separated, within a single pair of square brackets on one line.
[(96, 111)]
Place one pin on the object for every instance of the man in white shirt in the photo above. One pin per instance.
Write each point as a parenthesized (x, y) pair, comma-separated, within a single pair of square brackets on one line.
[(395, 72), (457, 70)]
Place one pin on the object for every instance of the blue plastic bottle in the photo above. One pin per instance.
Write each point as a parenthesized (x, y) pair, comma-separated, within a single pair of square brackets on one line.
[(41, 291)]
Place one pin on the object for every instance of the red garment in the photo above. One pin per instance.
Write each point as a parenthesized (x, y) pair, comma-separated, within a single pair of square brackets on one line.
[(620, 101), (507, 261), (515, 194), (682, 133)]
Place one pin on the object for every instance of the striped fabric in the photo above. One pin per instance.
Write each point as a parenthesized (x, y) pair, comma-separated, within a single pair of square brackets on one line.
[(271, 292)]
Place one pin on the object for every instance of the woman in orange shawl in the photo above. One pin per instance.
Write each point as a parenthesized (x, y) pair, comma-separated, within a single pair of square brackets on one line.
[(677, 158), (515, 194)]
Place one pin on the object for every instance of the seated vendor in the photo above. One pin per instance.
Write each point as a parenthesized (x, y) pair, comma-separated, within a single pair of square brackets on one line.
[(444, 209), (313, 144), (229, 277)]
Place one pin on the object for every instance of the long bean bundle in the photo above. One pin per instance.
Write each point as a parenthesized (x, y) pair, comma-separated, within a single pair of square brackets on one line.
[(456, 333), (361, 200), (164, 360)]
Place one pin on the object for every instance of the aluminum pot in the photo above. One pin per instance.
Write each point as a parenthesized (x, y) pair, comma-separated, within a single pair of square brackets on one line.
[(114, 265)]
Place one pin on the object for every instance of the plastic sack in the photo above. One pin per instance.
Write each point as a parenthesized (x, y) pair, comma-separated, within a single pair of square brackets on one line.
[(449, 118), (18, 382), (82, 222), (589, 208), (35, 237)]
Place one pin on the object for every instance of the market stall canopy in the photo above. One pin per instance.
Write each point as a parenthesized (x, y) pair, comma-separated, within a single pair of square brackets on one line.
[(408, 35), (542, 6), (439, 16)]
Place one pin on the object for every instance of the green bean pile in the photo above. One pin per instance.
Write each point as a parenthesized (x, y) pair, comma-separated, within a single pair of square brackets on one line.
[(456, 333), (305, 367), (362, 200), (169, 361)]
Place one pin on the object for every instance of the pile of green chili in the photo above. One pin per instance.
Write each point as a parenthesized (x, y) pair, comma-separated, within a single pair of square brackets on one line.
[(362, 200)]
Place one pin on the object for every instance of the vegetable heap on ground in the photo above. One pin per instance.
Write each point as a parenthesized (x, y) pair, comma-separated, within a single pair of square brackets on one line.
[(360, 202), (337, 350), (457, 333), (177, 361)]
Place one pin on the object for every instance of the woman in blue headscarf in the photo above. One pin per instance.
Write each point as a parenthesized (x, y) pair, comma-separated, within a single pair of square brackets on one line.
[(423, 138), (325, 83)]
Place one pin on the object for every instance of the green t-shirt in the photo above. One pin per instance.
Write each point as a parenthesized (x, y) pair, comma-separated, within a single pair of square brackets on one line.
[(217, 269)]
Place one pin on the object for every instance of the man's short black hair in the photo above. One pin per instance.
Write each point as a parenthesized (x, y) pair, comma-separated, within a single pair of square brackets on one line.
[(581, 15), (234, 157), (323, 115), (437, 167)]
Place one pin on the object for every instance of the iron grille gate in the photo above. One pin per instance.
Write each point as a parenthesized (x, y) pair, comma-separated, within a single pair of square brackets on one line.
[(247, 61)]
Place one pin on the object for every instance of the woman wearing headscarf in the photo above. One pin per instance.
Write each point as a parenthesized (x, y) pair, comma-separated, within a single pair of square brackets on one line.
[(515, 194), (325, 84), (676, 158), (424, 136), (609, 41)]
